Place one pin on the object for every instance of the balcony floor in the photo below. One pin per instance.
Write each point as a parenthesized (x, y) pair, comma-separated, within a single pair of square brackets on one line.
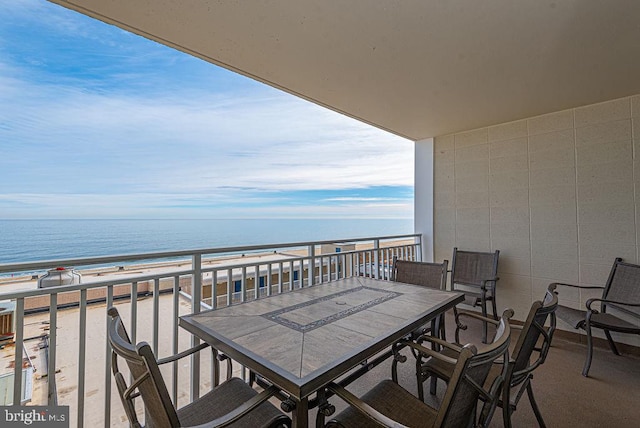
[(565, 397), (609, 397)]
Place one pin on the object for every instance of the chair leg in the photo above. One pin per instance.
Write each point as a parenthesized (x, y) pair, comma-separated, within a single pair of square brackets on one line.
[(473, 418), (587, 364), (435, 331), (505, 396), (441, 330), (459, 325), (419, 379), (434, 385), (612, 344), (484, 323), (394, 370), (506, 414), (534, 406), (493, 305)]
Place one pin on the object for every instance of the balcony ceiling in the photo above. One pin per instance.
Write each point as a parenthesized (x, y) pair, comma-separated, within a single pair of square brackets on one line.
[(417, 68)]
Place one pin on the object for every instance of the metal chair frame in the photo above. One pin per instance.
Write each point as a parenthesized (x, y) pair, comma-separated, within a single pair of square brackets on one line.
[(466, 272), (614, 295)]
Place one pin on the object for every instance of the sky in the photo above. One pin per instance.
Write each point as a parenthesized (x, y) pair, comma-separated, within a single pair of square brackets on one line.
[(96, 122)]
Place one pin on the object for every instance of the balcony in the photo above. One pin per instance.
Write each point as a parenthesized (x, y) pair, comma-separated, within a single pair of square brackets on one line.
[(546, 173), (55, 344), (59, 354)]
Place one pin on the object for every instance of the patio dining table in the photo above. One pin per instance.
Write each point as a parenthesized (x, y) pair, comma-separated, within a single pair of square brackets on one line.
[(304, 339)]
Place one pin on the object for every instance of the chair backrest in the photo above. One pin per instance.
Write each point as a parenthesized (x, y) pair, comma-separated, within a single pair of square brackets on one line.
[(472, 267), (147, 379), (433, 275), (623, 285), (469, 375), (532, 330)]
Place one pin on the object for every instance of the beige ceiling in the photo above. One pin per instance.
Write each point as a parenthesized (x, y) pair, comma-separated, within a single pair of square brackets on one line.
[(417, 68)]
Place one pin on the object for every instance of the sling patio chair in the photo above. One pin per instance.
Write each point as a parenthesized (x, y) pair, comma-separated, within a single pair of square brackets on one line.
[(534, 337), (432, 275), (390, 405), (622, 294), (233, 403), (475, 274)]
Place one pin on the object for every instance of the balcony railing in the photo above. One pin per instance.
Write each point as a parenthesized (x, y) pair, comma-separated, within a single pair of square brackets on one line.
[(70, 321)]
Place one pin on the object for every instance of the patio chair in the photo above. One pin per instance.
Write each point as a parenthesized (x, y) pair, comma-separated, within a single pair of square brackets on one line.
[(390, 405), (232, 403), (432, 275), (534, 337), (621, 293), (475, 273)]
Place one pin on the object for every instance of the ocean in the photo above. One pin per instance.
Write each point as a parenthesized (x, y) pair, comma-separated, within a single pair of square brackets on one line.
[(32, 240)]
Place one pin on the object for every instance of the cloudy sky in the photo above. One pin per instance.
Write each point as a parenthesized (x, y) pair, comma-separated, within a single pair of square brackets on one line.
[(96, 122)]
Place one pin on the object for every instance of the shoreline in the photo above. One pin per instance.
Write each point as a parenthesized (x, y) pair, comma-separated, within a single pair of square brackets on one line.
[(29, 280)]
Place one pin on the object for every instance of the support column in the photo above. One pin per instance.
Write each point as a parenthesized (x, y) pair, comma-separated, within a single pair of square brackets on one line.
[(423, 197)]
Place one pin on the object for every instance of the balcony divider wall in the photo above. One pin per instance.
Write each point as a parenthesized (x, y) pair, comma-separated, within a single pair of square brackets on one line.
[(557, 194)]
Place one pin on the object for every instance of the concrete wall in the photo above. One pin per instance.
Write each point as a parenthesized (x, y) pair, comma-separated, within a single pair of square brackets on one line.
[(556, 194)]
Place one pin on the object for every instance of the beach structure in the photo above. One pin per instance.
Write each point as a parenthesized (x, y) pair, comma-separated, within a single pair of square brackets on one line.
[(59, 276), (526, 123)]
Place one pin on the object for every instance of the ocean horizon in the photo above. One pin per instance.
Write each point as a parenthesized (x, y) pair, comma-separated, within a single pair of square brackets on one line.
[(34, 240)]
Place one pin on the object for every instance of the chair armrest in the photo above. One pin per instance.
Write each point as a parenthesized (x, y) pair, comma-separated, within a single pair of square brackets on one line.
[(434, 354), (437, 341), (483, 283), (615, 302), (239, 412), (476, 316), (363, 407), (183, 354), (593, 287)]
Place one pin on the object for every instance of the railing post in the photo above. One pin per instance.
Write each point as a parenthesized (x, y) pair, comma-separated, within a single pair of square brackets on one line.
[(81, 355), (134, 312), (214, 289), (156, 314), (256, 282), (312, 266), (196, 297), (19, 350), (291, 276), (243, 285), (230, 287), (376, 258), (52, 399), (174, 342), (107, 375)]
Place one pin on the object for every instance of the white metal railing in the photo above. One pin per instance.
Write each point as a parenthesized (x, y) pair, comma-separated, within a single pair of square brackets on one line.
[(213, 277)]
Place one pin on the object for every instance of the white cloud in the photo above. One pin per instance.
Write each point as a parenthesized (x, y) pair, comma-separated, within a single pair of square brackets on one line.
[(199, 143), (110, 124)]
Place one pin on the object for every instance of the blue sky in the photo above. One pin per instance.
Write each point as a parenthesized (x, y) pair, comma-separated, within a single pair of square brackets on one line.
[(96, 122)]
